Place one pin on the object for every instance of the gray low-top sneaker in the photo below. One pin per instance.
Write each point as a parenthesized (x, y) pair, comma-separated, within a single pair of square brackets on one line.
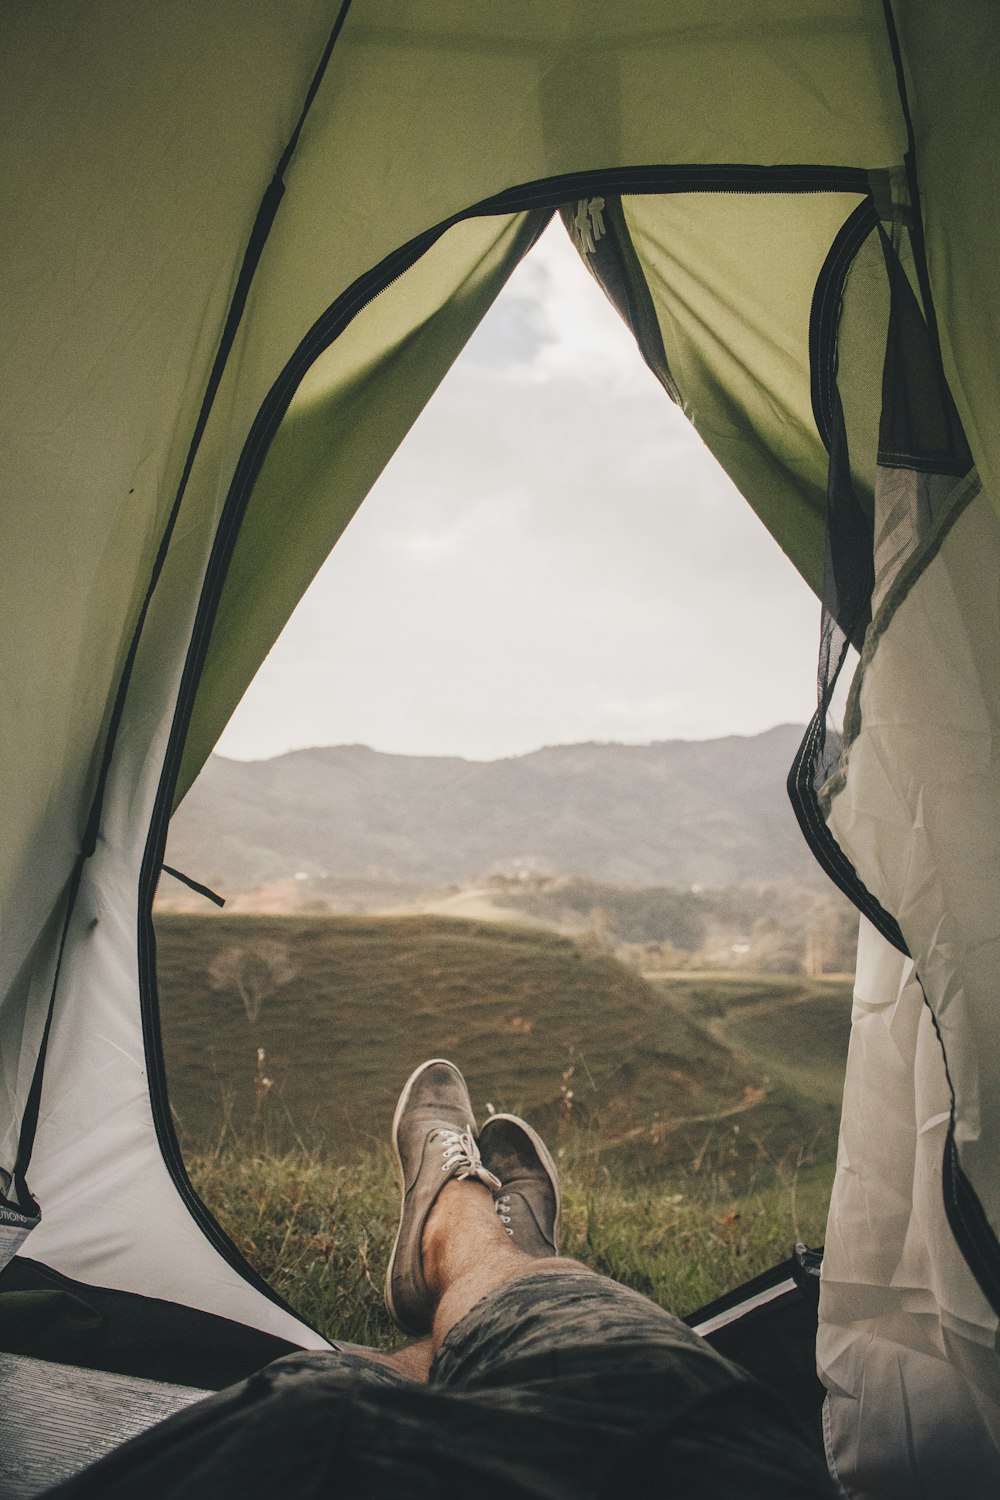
[(434, 1137), (528, 1201)]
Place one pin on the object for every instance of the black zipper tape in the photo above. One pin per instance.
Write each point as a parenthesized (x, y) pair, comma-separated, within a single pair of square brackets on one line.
[(824, 314), (965, 1214), (824, 319), (972, 1229), (545, 193), (825, 849), (913, 188)]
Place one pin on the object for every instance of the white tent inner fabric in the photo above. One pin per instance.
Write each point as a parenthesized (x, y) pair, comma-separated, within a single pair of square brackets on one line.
[(900, 1309)]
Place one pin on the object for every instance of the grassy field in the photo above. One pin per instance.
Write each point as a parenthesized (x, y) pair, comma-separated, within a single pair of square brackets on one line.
[(794, 1031), (538, 1024), (693, 1116), (321, 1234)]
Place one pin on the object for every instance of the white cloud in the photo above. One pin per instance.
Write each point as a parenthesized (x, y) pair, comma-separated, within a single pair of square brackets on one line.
[(551, 556), (482, 524)]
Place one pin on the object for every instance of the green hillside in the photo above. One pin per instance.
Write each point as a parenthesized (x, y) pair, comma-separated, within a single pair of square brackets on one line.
[(637, 1077), (796, 1030)]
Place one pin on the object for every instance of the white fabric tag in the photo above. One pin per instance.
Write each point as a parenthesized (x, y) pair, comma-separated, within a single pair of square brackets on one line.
[(15, 1226)]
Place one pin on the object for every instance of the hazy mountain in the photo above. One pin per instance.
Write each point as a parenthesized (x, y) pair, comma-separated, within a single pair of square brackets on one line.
[(679, 813)]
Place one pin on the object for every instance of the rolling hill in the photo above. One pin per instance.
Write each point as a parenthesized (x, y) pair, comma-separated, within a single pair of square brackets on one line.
[(686, 1071), (680, 813)]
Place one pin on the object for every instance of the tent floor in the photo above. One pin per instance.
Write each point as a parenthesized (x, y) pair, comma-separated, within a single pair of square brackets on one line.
[(55, 1419)]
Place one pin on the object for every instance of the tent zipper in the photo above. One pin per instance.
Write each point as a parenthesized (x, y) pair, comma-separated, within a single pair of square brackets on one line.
[(545, 193)]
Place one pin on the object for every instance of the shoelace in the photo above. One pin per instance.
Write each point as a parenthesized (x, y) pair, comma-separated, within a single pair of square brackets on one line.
[(503, 1214), (461, 1158)]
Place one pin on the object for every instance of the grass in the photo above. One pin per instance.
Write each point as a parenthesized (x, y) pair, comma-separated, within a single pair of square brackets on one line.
[(795, 1029), (321, 1233), (809, 1049), (538, 1024), (693, 1117)]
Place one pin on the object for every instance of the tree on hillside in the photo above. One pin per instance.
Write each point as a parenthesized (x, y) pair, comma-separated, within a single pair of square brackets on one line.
[(253, 972)]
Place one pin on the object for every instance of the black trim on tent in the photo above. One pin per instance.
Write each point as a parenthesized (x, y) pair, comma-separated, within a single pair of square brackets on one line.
[(848, 577), (972, 1229), (913, 188), (966, 1217), (545, 193), (255, 245), (553, 192), (47, 1315), (920, 429), (826, 851), (824, 315)]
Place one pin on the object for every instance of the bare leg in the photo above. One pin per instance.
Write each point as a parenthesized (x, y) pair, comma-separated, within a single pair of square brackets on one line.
[(467, 1254)]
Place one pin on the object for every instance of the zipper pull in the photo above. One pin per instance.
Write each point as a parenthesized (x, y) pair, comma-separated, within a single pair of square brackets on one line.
[(588, 224)]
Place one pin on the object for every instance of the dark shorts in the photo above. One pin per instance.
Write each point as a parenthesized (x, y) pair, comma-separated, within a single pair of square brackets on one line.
[(560, 1386)]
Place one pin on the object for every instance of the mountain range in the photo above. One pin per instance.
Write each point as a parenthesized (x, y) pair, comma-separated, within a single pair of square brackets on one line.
[(682, 813)]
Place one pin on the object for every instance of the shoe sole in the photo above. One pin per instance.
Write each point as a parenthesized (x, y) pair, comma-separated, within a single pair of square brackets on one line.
[(402, 1102), (545, 1156)]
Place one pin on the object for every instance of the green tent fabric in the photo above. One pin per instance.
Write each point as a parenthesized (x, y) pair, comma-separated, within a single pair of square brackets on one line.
[(242, 245), (521, 99), (353, 406)]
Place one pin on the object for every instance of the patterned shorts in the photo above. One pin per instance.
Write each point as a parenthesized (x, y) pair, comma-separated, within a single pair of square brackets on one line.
[(560, 1386)]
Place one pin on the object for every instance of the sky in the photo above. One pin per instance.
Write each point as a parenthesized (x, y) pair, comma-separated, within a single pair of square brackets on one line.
[(552, 556)]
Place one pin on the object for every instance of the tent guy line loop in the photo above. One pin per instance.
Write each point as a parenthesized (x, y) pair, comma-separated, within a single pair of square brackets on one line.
[(588, 224), (194, 885)]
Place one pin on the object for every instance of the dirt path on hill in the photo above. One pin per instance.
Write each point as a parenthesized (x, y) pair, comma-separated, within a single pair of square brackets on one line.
[(718, 1026)]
